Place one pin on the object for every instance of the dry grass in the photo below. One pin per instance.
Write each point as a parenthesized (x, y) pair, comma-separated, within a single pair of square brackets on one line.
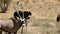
[(43, 19)]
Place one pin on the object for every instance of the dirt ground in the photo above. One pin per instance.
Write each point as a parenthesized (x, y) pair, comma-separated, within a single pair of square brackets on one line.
[(43, 19)]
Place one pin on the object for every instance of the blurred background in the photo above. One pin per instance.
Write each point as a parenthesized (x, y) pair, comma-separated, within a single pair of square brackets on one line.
[(44, 15)]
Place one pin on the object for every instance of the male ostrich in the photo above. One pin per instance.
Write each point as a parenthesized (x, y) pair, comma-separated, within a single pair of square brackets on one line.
[(13, 24)]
